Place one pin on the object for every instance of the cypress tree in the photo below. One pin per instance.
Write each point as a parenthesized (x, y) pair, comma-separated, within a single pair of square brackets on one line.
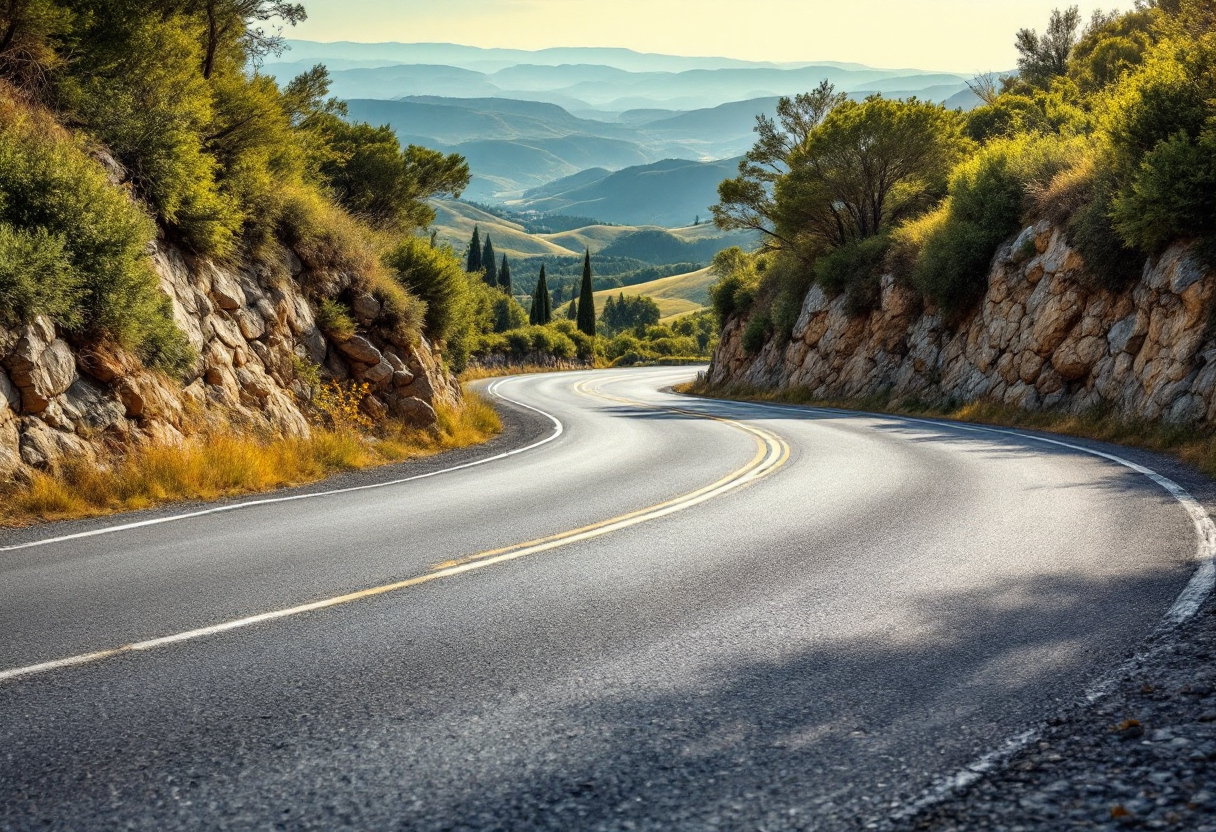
[(488, 263), (544, 293), (541, 312), (572, 310), (474, 252), (504, 275), (586, 299), (538, 306)]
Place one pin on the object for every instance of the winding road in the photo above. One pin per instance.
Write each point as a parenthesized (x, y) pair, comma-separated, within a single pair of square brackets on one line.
[(638, 610)]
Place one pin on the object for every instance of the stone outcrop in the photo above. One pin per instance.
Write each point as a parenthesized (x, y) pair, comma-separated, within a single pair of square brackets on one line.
[(1043, 337), (255, 336)]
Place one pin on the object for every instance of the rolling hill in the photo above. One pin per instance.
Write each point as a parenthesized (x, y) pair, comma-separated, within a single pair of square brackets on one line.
[(677, 295), (669, 193), (454, 221)]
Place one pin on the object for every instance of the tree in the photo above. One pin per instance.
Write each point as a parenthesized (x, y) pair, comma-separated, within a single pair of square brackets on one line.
[(474, 262), (586, 299), (27, 30), (544, 293), (504, 275), (572, 310), (746, 202), (373, 178), (225, 21), (541, 313), (867, 166), (1045, 57), (489, 263)]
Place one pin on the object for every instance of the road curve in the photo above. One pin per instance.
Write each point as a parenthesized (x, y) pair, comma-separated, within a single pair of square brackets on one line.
[(669, 613)]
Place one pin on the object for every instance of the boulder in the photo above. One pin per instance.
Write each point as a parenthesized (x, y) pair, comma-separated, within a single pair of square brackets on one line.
[(41, 368), (366, 308), (360, 349), (412, 411)]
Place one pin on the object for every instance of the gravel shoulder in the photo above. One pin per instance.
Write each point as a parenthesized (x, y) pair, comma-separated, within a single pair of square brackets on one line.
[(1141, 757)]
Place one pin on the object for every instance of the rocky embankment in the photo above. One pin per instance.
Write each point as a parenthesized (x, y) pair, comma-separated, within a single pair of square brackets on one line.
[(1044, 336), (259, 348)]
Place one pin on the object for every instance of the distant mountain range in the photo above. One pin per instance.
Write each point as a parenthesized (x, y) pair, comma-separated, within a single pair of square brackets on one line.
[(673, 192), (513, 146), (590, 81), (527, 119)]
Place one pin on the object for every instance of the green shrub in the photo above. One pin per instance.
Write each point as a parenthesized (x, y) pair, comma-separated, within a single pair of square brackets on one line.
[(735, 290), (1172, 196), (988, 196), (87, 239), (756, 333), (144, 98), (437, 276), (36, 277), (334, 319), (855, 269)]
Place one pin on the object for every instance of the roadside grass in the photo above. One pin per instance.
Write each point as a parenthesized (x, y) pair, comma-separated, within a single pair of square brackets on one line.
[(478, 373), (214, 464), (1188, 444)]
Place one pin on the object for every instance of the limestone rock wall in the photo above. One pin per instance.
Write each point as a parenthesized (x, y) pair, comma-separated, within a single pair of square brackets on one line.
[(1043, 337), (255, 335)]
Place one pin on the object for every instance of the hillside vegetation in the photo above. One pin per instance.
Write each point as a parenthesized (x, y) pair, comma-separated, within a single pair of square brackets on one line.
[(1109, 130), (676, 295)]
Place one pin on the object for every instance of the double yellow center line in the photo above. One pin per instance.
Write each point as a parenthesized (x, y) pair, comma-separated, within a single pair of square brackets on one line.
[(771, 453)]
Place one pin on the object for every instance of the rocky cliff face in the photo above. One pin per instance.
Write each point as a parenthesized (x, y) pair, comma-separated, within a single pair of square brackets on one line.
[(256, 337), (1043, 337)]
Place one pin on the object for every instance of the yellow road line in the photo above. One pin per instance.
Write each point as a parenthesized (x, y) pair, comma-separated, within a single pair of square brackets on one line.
[(772, 452)]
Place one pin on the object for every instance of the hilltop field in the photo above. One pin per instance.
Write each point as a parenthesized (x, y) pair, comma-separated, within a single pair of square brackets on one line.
[(669, 265)]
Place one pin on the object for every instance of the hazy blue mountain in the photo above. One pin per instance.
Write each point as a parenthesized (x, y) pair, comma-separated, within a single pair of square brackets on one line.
[(524, 119), (566, 183), (541, 77), (512, 166), (672, 192), (452, 125), (963, 100), (645, 115), (472, 57), (902, 83), (605, 79)]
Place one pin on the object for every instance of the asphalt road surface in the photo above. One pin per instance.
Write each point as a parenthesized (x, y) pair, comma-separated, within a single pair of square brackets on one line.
[(770, 619)]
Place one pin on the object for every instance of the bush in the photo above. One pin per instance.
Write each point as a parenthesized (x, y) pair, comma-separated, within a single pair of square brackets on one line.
[(323, 235), (988, 196), (437, 277), (910, 239), (1160, 123), (735, 290), (147, 102), (784, 281), (36, 277), (756, 333), (75, 247), (855, 269), (1172, 196), (333, 319)]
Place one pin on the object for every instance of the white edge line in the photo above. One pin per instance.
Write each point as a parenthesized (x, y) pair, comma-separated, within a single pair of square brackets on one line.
[(1185, 606), (773, 454), (492, 390)]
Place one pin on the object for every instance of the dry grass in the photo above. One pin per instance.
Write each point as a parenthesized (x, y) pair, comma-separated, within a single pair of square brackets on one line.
[(1186, 443), (214, 465), (478, 373)]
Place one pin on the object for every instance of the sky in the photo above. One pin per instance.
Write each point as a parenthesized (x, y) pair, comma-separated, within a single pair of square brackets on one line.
[(956, 35)]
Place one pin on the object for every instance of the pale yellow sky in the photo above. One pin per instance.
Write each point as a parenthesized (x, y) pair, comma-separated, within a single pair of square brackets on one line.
[(956, 35)]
